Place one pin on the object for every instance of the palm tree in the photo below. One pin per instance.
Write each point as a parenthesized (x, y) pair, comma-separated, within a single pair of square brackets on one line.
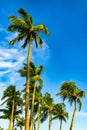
[(70, 91), (36, 77), (38, 102), (7, 113), (13, 100), (29, 33), (47, 106), (60, 113), (35, 73)]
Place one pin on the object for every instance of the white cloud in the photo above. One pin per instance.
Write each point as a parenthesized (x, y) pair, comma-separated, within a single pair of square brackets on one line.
[(5, 64), (5, 53), (11, 36), (10, 58), (2, 84), (2, 88), (10, 61), (82, 114)]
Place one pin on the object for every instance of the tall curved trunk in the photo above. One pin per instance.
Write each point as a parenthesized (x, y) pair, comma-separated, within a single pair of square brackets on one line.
[(50, 120), (32, 109), (38, 114), (61, 124), (27, 90), (73, 117), (11, 118)]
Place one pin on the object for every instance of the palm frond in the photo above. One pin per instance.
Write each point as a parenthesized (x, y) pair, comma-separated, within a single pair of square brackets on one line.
[(79, 102), (39, 40), (20, 37), (18, 22), (44, 116), (4, 102), (26, 16), (81, 93), (41, 28)]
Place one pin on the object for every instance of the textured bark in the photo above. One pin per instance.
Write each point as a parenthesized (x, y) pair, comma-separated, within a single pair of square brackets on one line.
[(32, 109), (50, 120), (73, 117), (27, 90), (61, 125), (38, 114), (34, 125), (11, 118)]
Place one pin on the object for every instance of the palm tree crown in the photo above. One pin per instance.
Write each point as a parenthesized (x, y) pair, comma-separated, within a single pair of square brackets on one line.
[(60, 113), (70, 91), (25, 29)]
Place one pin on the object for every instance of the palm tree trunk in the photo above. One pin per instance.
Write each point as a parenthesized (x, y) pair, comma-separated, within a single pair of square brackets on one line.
[(61, 124), (34, 124), (27, 90), (32, 109), (20, 127), (13, 124), (73, 117), (11, 118), (39, 114), (50, 120)]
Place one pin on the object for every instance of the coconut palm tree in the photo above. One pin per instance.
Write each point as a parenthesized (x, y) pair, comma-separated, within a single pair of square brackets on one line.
[(13, 100), (28, 33), (38, 102), (60, 113), (7, 113), (35, 73), (73, 94), (47, 106), (36, 77)]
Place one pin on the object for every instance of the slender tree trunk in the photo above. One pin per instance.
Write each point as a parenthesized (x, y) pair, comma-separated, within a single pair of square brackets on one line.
[(20, 127), (32, 109), (34, 125), (50, 120), (27, 90), (39, 114), (73, 117), (13, 124), (61, 124), (11, 118)]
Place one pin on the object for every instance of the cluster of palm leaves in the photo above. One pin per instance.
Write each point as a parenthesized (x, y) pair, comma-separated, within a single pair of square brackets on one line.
[(30, 101)]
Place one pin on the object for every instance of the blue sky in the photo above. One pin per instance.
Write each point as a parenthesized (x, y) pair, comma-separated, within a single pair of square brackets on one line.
[(64, 54)]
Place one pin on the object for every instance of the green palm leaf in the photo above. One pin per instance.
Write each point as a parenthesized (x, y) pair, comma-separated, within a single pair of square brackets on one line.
[(25, 16)]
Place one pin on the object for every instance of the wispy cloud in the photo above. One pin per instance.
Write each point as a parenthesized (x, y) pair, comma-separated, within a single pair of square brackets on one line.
[(82, 114), (2, 87), (2, 84), (11, 36), (10, 58), (79, 114), (10, 61)]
